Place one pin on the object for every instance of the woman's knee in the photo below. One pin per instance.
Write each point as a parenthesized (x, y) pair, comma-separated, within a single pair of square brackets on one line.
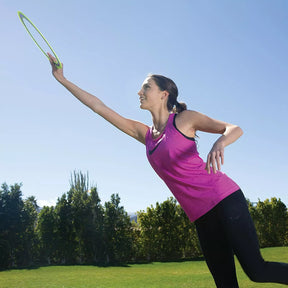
[(263, 272), (255, 276), (255, 270)]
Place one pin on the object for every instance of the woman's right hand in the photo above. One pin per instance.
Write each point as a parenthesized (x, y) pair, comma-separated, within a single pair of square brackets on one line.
[(56, 71)]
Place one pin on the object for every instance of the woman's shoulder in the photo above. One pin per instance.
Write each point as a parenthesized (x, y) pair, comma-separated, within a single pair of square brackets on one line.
[(187, 115)]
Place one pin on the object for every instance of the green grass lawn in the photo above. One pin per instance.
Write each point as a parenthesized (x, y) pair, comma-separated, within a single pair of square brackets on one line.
[(157, 275)]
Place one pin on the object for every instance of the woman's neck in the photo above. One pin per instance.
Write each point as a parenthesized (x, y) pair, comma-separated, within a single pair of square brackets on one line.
[(160, 120)]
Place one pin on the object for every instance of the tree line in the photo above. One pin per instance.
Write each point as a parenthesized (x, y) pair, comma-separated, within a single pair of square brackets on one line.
[(80, 230)]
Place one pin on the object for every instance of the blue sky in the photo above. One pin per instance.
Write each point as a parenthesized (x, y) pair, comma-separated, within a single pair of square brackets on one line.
[(228, 58)]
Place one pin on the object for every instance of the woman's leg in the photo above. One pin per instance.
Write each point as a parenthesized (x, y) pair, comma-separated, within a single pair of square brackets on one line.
[(217, 250), (239, 229)]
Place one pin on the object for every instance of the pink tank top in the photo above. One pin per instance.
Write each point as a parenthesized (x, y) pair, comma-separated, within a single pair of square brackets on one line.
[(175, 158)]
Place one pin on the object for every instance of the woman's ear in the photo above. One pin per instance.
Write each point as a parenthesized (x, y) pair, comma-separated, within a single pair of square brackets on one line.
[(165, 95)]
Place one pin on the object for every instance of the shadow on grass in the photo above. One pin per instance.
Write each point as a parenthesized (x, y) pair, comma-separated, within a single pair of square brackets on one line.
[(34, 267), (143, 262), (105, 265), (196, 259)]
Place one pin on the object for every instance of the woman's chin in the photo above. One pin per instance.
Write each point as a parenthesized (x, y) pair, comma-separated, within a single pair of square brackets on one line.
[(142, 106)]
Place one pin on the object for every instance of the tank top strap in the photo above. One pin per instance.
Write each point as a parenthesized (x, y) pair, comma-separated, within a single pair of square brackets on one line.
[(171, 119)]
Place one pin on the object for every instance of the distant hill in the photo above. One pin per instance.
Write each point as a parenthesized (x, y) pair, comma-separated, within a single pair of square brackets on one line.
[(133, 217)]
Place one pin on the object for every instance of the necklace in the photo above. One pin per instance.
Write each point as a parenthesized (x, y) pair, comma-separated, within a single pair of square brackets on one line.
[(157, 131)]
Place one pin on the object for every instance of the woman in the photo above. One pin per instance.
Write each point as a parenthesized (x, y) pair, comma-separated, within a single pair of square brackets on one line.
[(208, 196)]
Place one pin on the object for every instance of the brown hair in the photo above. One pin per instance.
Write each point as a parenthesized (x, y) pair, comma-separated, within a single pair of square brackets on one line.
[(166, 84)]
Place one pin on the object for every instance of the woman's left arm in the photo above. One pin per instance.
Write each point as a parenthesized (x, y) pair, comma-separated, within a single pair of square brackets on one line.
[(230, 133)]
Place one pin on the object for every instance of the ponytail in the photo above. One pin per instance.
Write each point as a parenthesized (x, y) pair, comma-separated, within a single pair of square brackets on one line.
[(179, 107)]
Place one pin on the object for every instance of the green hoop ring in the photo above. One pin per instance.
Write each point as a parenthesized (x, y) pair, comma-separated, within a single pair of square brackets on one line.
[(21, 17)]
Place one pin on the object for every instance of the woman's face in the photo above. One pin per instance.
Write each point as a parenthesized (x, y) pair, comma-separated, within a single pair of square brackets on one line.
[(149, 95)]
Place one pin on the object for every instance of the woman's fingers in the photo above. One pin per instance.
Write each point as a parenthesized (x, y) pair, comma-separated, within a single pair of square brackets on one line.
[(208, 163), (214, 160), (53, 60)]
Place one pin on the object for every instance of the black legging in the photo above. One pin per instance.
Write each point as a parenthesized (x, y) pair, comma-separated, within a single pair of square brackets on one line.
[(228, 229)]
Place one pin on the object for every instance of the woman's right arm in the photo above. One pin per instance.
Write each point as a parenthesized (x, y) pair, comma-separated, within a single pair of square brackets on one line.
[(133, 128)]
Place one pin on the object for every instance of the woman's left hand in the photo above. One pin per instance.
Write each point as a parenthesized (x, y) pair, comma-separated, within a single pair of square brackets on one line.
[(215, 158), (56, 71)]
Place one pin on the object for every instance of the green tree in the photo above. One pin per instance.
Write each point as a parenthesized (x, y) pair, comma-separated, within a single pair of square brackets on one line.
[(78, 194), (148, 233), (5, 227), (65, 232), (87, 219), (167, 233), (10, 221), (17, 221), (137, 249), (189, 242), (28, 249), (270, 219), (168, 222), (46, 230), (93, 233), (117, 232)]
